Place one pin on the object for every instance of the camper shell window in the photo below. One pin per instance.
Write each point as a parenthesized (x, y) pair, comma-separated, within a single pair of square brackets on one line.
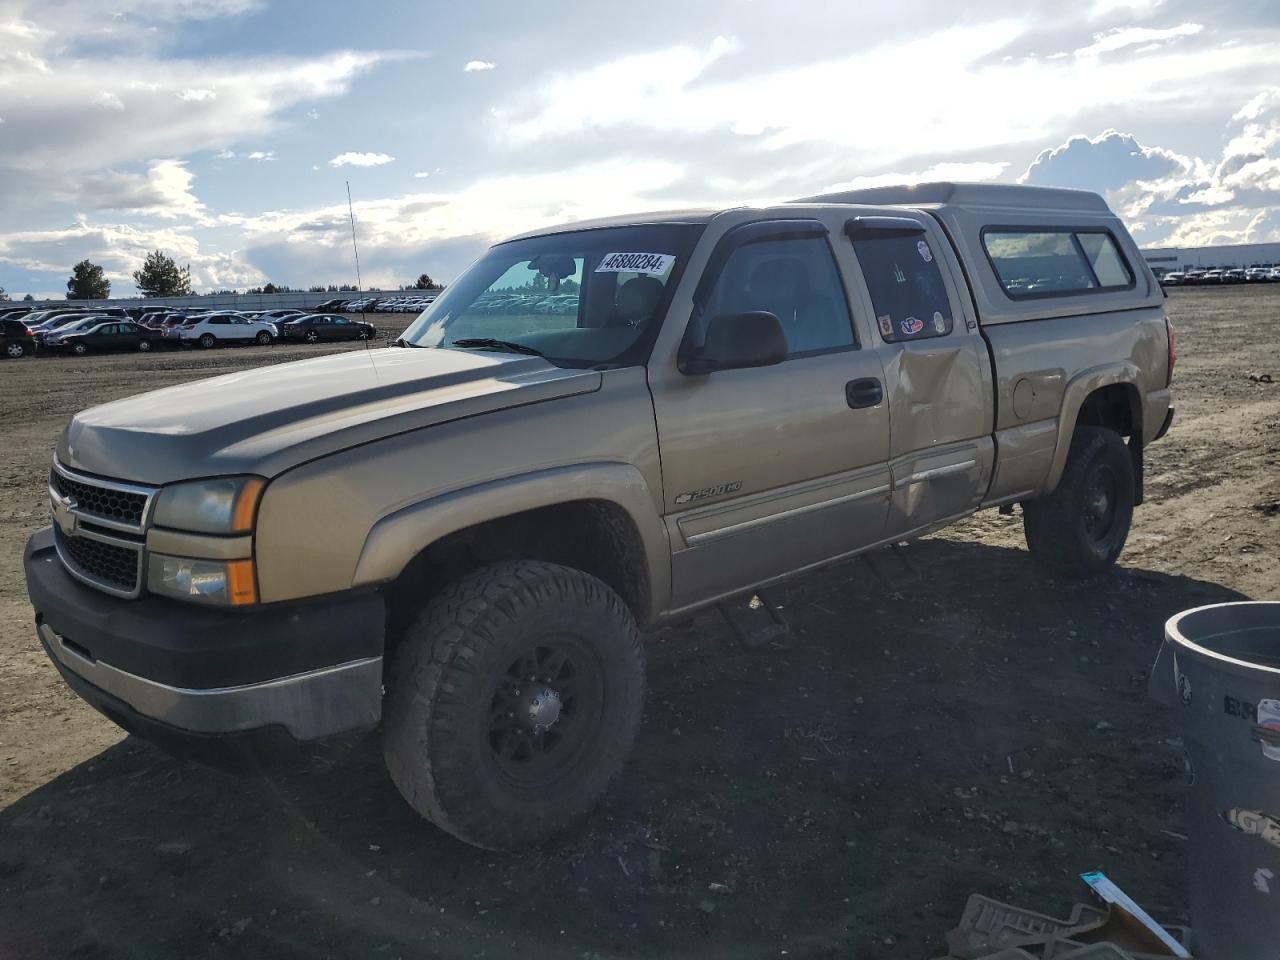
[(1033, 262)]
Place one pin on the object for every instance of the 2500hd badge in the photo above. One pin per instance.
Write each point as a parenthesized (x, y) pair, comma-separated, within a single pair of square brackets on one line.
[(707, 493)]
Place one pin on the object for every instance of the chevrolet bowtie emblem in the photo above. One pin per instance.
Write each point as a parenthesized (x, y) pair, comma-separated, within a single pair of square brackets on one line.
[(63, 517)]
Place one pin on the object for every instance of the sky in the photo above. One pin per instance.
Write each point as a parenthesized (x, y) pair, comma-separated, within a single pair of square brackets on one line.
[(224, 132)]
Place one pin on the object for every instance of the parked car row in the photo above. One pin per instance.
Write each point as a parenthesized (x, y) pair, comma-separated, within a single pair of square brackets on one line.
[(1259, 273), (378, 305), (79, 331)]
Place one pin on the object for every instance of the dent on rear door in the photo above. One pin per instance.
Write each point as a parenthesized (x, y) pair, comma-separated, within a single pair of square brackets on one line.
[(937, 378)]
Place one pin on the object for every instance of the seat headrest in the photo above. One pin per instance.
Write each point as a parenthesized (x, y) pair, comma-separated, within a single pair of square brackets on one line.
[(638, 298)]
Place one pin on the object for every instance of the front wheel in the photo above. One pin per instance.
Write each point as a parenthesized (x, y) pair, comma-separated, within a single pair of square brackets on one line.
[(263, 338), (311, 336), (144, 346), (513, 701), (207, 340), (362, 335), (1080, 528), (79, 349)]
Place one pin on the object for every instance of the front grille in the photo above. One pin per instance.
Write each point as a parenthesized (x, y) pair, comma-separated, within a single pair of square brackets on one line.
[(118, 505), (109, 564)]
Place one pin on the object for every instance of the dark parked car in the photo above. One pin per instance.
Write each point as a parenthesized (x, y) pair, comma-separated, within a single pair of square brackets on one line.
[(330, 305), (15, 339), (278, 316), (326, 326), (115, 335), (139, 313)]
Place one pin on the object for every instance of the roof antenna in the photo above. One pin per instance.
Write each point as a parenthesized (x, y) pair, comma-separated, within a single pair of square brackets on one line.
[(356, 250)]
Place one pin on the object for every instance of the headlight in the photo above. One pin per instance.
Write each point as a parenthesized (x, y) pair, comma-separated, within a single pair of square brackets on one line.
[(224, 582), (223, 505)]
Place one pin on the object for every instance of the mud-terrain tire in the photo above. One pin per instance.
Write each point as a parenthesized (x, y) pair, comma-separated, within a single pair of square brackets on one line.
[(1079, 530), (481, 751)]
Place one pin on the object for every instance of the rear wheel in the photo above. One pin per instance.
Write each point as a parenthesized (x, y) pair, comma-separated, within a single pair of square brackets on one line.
[(513, 701), (79, 349), (1080, 528), (263, 338), (144, 346), (15, 350), (311, 336), (207, 340)]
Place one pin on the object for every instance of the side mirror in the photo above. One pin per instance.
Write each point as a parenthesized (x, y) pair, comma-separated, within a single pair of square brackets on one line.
[(738, 340)]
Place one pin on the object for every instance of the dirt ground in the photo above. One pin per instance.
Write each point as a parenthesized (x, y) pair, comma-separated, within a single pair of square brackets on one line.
[(840, 795)]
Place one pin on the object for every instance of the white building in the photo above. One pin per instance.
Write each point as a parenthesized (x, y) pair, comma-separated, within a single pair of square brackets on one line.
[(1167, 259)]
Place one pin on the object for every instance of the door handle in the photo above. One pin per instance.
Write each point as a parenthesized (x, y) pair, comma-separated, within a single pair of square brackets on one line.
[(866, 392)]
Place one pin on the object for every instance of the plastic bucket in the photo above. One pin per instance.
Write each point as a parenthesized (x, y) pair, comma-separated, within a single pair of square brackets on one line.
[(1219, 668)]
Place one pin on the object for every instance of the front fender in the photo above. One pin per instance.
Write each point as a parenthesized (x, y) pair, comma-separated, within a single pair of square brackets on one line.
[(400, 536), (1074, 396)]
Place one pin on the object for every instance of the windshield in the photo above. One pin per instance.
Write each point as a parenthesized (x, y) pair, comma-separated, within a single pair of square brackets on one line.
[(582, 299)]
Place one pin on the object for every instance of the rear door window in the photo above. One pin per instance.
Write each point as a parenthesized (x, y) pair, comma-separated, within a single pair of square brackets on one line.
[(906, 286)]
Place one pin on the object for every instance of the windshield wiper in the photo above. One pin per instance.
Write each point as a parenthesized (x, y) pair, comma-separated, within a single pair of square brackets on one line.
[(489, 343)]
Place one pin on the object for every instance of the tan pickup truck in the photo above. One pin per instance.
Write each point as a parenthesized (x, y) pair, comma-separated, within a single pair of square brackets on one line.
[(596, 429)]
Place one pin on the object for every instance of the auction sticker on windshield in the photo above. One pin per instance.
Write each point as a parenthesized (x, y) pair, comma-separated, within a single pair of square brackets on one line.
[(652, 263)]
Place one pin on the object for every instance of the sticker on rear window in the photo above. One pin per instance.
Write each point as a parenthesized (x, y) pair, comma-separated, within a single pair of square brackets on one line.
[(652, 263)]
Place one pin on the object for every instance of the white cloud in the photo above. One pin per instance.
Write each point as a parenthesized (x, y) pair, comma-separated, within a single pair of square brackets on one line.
[(1120, 37), (474, 66), (1108, 8), (1102, 163), (76, 116), (351, 159), (225, 155), (422, 174), (313, 114), (441, 232), (164, 191), (120, 249), (687, 92), (1174, 200), (262, 155), (971, 170)]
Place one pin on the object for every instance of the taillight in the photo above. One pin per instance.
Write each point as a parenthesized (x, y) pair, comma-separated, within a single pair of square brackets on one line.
[(1173, 349)]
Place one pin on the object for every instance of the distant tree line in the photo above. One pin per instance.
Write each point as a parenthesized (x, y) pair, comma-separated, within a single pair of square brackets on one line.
[(160, 276)]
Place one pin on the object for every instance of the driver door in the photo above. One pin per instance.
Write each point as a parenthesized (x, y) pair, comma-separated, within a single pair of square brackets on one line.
[(770, 470)]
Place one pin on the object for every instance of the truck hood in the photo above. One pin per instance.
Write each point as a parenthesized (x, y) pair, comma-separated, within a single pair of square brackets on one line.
[(267, 420)]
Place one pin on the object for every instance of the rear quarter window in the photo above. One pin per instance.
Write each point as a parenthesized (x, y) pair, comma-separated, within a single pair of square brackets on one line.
[(1042, 262)]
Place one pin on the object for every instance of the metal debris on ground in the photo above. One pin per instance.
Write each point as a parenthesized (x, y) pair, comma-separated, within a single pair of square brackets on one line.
[(991, 930)]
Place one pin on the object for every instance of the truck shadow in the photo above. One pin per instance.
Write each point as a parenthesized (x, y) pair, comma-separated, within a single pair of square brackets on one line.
[(840, 793)]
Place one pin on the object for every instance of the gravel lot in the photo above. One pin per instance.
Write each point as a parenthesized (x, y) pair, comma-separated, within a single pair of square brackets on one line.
[(984, 730)]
